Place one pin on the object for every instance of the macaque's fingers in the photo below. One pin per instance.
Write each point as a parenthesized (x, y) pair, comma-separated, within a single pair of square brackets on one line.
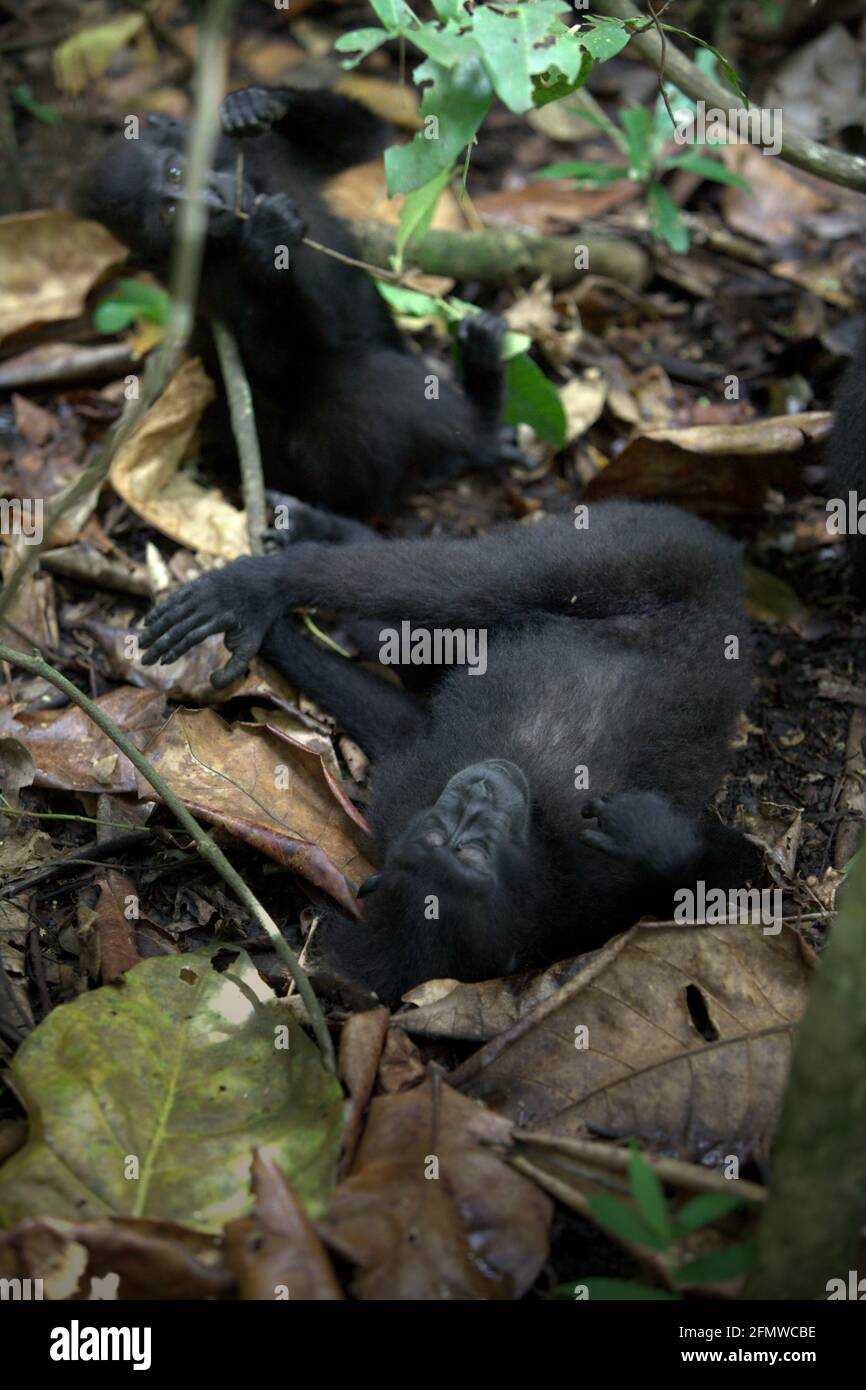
[(235, 668), (183, 643), (606, 843), (180, 636), (169, 612)]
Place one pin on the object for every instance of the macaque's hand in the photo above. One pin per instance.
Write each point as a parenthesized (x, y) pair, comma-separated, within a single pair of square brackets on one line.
[(251, 111), (241, 601)]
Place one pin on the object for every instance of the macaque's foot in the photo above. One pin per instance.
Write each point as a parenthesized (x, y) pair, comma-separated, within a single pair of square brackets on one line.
[(241, 601), (297, 521), (643, 829), (481, 337), (251, 111)]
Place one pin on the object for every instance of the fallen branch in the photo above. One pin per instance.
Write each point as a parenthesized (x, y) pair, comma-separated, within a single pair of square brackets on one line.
[(499, 255), (240, 399), (849, 170)]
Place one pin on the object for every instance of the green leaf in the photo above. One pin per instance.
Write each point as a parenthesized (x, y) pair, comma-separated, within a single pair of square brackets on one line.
[(515, 343), (456, 103), (507, 46), (128, 301), (360, 42), (700, 1211), (615, 1290), (454, 10), (666, 219), (395, 15), (112, 316), (23, 97), (444, 46), (417, 213), (649, 1194), (532, 400), (599, 175), (413, 303), (605, 39), (636, 122), (722, 1264), (176, 1066), (707, 167), (563, 75), (624, 1222)]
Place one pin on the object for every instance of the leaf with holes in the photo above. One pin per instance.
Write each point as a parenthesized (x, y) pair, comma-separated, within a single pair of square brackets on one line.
[(147, 1098), (676, 1032)]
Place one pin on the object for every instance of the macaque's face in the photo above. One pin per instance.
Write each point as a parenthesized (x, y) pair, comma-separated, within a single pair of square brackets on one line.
[(137, 187), (452, 877)]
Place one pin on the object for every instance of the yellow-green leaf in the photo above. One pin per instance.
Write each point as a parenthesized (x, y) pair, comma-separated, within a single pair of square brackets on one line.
[(147, 1098), (87, 54)]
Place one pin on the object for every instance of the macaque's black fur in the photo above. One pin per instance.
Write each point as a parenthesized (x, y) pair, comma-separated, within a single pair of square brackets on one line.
[(847, 452), (340, 402), (606, 648)]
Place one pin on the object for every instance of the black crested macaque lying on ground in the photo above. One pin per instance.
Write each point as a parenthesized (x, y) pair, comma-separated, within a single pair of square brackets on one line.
[(341, 404), (847, 452), (608, 649)]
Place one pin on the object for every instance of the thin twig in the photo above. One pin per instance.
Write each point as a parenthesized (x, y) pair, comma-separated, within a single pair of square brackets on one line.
[(205, 845), (242, 413)]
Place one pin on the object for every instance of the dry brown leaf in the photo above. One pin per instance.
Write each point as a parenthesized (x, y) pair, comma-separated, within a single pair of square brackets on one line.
[(72, 754), (115, 946), (49, 261), (276, 1253), (431, 1210), (150, 1259), (233, 776), (642, 1067), (361, 1043), (144, 472), (719, 466), (777, 200)]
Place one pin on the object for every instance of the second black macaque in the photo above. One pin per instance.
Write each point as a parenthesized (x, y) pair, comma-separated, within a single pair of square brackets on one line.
[(531, 805), (347, 416), (847, 453)]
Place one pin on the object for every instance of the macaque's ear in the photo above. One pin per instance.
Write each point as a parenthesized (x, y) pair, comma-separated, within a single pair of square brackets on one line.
[(369, 885)]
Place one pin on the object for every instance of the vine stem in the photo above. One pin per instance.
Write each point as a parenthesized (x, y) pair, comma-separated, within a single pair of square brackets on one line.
[(36, 666)]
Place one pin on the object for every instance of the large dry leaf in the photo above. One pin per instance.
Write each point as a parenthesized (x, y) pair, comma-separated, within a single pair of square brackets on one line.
[(251, 781), (148, 1098), (49, 261), (431, 1210), (72, 754), (643, 1067), (144, 472), (717, 465)]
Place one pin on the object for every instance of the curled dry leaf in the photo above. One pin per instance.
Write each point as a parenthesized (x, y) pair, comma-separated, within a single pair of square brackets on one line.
[(682, 1034), (144, 472), (720, 466), (431, 1210), (17, 769), (249, 780), (49, 261)]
